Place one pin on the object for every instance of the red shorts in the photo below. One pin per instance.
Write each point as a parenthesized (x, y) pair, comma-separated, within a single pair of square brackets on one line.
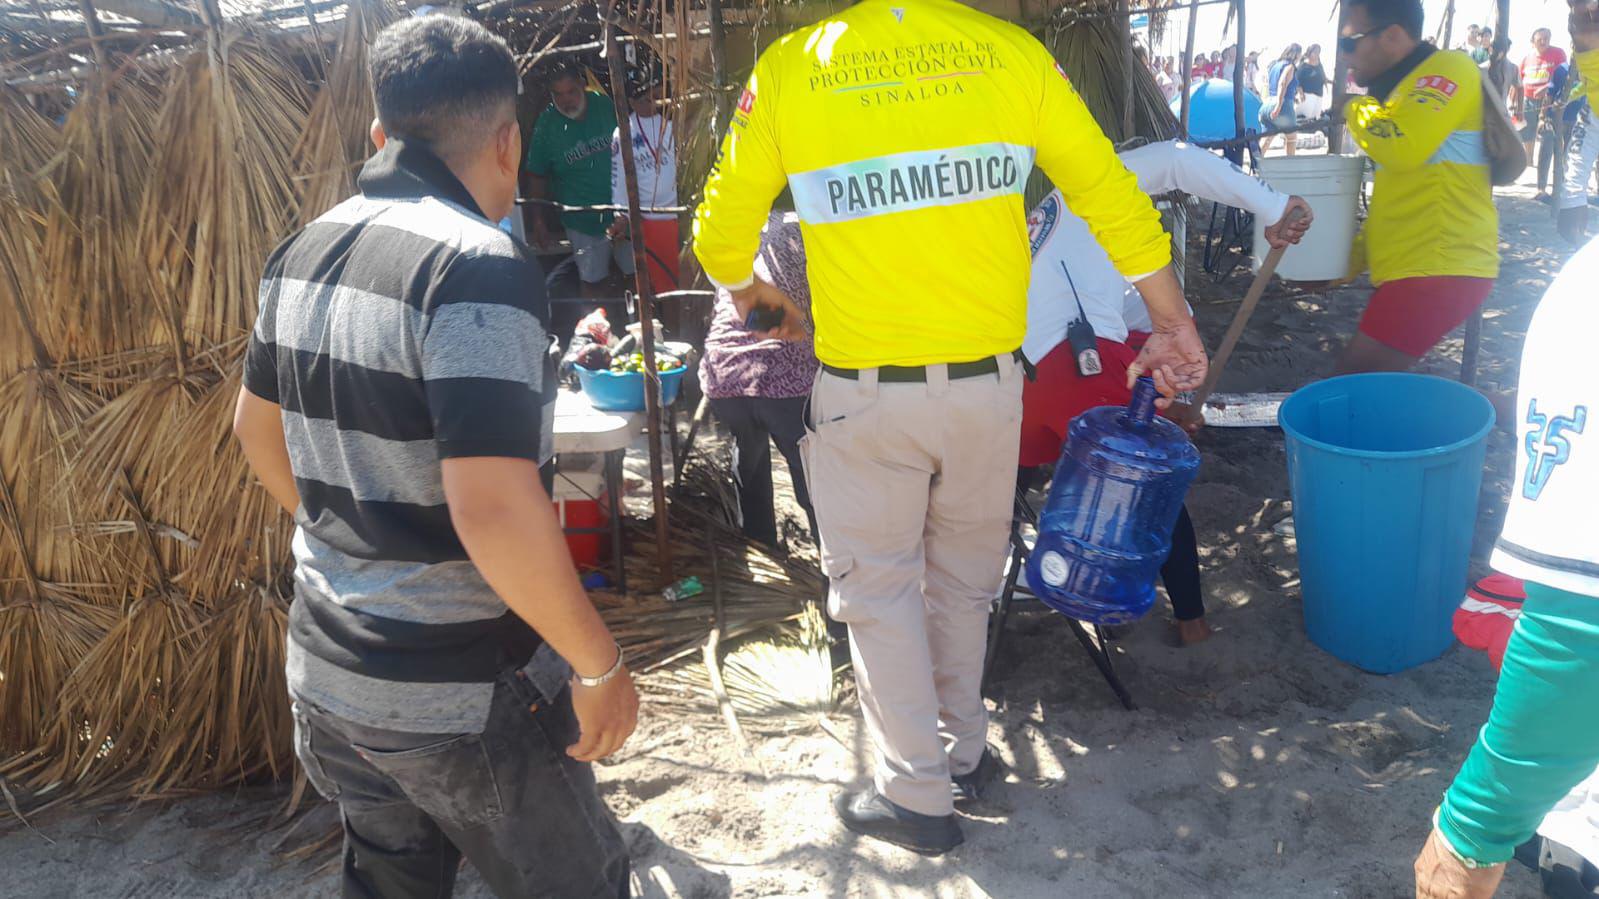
[(1411, 315), (1060, 394), (661, 244)]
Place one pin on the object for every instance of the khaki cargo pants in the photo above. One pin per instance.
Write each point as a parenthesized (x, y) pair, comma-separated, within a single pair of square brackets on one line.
[(913, 486)]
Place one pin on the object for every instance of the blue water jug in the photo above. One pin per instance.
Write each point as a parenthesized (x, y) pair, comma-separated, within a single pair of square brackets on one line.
[(1106, 529)]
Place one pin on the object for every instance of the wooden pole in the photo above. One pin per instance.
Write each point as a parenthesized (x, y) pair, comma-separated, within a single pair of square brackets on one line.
[(1132, 61), (646, 294), (1501, 48), (1447, 32), (1501, 45), (718, 70), (91, 24), (1340, 76), (1238, 72), (1186, 75)]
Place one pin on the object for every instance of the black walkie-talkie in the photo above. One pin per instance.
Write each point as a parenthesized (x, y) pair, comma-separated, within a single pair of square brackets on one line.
[(1080, 334)]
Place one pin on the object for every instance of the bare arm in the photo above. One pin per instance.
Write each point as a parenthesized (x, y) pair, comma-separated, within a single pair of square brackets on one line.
[(508, 526), (258, 426)]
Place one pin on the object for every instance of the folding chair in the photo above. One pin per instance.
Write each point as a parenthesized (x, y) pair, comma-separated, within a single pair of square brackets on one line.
[(1096, 646)]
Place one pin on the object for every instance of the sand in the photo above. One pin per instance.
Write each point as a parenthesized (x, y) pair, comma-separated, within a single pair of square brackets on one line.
[(1255, 766)]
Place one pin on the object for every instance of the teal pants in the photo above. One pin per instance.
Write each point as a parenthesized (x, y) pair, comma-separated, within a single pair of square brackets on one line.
[(1542, 737)]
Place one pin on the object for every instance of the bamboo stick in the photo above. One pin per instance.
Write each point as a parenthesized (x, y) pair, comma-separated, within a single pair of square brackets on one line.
[(646, 292), (91, 24), (1186, 75), (1238, 72), (718, 71), (1341, 62), (1131, 62)]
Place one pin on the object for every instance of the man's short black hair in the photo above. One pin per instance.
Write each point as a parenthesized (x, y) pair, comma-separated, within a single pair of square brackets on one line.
[(1407, 14), (443, 80)]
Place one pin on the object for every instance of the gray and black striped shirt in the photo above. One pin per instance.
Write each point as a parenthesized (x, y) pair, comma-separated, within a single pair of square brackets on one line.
[(400, 329)]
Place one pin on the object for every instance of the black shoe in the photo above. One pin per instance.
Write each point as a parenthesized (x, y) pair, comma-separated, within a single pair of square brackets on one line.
[(867, 813), (969, 787)]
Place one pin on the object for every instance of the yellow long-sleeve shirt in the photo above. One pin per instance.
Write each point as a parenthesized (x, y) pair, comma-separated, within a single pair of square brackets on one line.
[(1432, 207), (906, 130)]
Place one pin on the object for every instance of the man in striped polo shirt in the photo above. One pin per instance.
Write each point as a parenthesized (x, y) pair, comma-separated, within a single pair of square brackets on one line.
[(392, 401)]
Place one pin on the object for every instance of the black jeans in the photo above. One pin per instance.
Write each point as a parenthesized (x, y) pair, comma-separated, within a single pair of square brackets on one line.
[(1550, 139), (528, 817), (756, 422), (1180, 574)]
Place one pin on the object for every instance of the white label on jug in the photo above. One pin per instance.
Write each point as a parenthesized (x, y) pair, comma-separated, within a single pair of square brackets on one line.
[(1054, 568)]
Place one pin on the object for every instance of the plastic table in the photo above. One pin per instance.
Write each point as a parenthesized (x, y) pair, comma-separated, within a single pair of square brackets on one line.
[(580, 428)]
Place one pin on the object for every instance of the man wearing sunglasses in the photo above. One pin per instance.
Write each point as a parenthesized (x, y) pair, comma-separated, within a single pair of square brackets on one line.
[(1432, 237)]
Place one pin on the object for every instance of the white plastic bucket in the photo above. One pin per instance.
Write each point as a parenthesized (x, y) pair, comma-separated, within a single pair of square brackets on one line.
[(1331, 184)]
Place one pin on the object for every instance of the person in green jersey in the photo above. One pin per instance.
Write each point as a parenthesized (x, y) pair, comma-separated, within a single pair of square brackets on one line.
[(569, 161)]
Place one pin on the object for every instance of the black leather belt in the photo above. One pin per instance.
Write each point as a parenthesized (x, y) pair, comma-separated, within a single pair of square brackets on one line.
[(917, 374)]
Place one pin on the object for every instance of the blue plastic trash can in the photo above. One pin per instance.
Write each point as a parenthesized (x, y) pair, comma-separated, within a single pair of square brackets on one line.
[(1385, 471)]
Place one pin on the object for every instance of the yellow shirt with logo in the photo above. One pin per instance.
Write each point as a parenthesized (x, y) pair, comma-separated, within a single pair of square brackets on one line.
[(1432, 206), (906, 130)]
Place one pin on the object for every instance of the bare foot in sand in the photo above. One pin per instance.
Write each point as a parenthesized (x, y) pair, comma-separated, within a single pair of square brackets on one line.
[(1191, 632)]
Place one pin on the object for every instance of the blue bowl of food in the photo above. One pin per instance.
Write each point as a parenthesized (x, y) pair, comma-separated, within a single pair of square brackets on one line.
[(621, 387)]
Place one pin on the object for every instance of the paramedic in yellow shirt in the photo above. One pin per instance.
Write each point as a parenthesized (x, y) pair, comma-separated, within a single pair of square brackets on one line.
[(1432, 235), (906, 130)]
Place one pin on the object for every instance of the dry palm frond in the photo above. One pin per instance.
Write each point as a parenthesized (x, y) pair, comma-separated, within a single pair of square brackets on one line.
[(42, 637), (759, 590), (116, 707), (87, 282), (783, 673), (28, 144), (335, 139), (43, 410), (170, 436), (222, 192), (233, 723)]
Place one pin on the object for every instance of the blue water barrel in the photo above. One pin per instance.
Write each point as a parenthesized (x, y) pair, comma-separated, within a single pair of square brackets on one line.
[(1385, 471), (1210, 111)]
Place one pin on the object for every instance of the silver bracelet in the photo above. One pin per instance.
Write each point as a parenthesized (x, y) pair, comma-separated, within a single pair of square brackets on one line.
[(604, 678)]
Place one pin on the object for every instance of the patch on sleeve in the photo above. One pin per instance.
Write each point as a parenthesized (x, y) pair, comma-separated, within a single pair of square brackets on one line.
[(1435, 90), (1041, 223), (746, 105)]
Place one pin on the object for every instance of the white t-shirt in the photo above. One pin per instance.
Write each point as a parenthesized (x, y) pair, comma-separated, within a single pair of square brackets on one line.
[(1551, 533), (1066, 255), (654, 162)]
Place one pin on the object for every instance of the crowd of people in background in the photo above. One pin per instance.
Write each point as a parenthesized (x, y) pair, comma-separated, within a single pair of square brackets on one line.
[(1292, 88), (1546, 100)]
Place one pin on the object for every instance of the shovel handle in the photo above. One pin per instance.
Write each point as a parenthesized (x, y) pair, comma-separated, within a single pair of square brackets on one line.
[(1218, 363)]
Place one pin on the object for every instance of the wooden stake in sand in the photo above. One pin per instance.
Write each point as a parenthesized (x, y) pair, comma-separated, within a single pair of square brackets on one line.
[(646, 294)]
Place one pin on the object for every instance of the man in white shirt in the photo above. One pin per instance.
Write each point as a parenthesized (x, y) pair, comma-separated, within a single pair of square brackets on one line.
[(655, 165), (1085, 322)]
